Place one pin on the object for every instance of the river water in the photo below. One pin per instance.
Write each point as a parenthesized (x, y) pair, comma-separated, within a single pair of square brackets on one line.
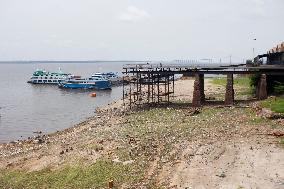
[(26, 108)]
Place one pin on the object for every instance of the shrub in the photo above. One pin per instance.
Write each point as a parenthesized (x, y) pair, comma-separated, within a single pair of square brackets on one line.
[(275, 84)]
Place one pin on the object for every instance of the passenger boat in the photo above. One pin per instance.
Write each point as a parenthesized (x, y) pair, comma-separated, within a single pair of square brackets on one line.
[(111, 76), (87, 83), (45, 77), (98, 76)]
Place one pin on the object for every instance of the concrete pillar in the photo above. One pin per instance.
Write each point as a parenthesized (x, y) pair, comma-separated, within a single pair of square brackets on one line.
[(196, 100), (202, 94), (230, 94), (262, 88)]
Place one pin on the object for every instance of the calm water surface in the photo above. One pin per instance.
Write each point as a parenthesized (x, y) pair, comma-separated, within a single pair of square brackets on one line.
[(25, 108)]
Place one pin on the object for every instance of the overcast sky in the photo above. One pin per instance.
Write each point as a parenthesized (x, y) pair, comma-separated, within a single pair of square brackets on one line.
[(138, 29)]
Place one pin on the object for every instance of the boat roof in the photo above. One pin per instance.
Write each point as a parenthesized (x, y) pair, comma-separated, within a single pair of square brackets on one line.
[(104, 73), (43, 72)]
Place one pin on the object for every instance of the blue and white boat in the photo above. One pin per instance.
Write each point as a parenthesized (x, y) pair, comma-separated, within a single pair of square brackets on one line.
[(111, 76), (87, 83)]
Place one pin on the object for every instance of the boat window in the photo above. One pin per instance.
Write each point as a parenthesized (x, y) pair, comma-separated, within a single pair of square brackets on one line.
[(39, 81), (49, 81)]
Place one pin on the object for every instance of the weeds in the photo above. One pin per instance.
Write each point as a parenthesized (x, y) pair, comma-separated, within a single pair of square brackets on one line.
[(95, 176), (242, 86), (275, 104)]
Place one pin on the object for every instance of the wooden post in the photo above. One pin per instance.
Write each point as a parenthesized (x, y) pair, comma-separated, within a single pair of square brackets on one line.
[(262, 88), (110, 184), (201, 82), (196, 100), (229, 96)]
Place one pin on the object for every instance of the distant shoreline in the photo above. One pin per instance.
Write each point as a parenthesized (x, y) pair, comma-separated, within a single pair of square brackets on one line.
[(67, 61)]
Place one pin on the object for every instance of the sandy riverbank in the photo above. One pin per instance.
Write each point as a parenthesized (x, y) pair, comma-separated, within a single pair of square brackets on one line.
[(167, 148)]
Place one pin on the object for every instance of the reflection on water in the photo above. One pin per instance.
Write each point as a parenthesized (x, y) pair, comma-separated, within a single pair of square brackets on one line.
[(25, 108)]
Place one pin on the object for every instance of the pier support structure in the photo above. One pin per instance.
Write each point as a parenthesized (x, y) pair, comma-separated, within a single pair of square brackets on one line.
[(230, 94), (198, 92), (201, 77), (153, 84), (147, 86), (261, 91)]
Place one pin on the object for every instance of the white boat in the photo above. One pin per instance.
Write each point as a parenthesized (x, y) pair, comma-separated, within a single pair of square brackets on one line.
[(99, 76), (111, 76), (45, 77)]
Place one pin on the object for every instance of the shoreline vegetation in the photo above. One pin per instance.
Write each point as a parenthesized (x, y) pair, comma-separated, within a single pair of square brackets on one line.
[(176, 147)]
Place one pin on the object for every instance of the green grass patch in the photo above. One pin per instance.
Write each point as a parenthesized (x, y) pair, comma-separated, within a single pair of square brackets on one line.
[(281, 141), (94, 176), (242, 81), (242, 86), (238, 81), (219, 81), (275, 104)]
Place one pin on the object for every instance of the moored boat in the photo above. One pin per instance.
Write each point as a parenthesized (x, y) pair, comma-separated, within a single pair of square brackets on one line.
[(111, 76), (45, 77), (87, 83)]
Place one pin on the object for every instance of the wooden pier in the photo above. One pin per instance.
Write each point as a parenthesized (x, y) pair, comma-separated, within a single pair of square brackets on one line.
[(154, 83)]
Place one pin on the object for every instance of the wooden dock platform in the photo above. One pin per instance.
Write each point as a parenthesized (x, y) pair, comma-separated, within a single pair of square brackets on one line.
[(154, 83), (203, 69)]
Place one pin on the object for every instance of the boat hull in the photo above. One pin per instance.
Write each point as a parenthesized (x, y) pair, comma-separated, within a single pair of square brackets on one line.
[(101, 85)]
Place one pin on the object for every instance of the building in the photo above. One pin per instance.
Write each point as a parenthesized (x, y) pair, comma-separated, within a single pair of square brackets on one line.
[(274, 56)]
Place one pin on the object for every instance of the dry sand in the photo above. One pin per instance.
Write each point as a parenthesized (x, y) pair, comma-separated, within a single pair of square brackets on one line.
[(184, 89)]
